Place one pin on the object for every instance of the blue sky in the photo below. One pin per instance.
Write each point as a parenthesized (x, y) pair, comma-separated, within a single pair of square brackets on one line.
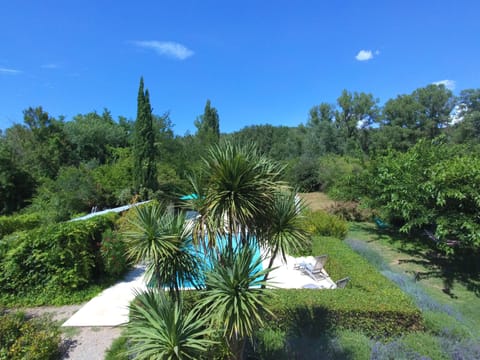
[(257, 61)]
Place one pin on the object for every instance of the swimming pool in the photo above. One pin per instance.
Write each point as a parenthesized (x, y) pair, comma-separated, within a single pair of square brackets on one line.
[(207, 259)]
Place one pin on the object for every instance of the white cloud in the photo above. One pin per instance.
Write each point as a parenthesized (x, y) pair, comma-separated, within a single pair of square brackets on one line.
[(49, 66), (9, 71), (364, 55), (449, 84), (456, 115), (167, 48)]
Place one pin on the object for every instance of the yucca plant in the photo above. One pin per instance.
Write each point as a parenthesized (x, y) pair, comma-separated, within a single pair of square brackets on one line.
[(282, 231), (239, 184), (234, 298), (159, 328), (162, 239)]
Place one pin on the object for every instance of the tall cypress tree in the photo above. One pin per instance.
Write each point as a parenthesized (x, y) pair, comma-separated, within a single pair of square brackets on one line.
[(208, 125), (144, 169)]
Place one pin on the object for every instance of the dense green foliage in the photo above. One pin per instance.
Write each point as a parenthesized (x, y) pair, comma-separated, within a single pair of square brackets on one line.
[(434, 186), (144, 143), (160, 238), (113, 250), (24, 338), (323, 224), (159, 328), (63, 257), (10, 224), (414, 161), (208, 126)]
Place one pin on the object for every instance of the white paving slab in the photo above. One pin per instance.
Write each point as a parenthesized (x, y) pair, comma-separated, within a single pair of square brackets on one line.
[(286, 276), (110, 307)]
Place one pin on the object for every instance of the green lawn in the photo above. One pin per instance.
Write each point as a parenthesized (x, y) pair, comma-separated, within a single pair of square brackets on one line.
[(447, 284)]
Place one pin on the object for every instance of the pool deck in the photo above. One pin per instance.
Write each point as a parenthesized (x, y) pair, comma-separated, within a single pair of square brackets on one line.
[(110, 307)]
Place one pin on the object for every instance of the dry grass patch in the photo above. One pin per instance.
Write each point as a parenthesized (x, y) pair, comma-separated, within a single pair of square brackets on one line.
[(317, 200)]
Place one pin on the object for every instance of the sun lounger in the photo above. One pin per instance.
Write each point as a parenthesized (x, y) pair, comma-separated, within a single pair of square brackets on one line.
[(315, 270), (342, 283)]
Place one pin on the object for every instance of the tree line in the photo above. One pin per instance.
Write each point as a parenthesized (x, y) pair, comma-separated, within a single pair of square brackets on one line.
[(63, 167)]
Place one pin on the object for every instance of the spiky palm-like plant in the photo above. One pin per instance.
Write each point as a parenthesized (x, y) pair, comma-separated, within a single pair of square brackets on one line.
[(240, 184), (160, 329), (283, 230), (234, 298), (162, 239)]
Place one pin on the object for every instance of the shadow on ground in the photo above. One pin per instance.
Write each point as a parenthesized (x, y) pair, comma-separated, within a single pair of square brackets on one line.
[(461, 265)]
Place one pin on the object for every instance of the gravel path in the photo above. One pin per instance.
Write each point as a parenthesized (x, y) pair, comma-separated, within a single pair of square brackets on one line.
[(80, 343)]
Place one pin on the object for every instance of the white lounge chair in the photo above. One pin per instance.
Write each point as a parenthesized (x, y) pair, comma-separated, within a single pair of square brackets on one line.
[(315, 270)]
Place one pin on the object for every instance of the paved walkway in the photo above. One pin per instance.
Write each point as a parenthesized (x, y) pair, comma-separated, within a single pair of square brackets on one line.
[(110, 308)]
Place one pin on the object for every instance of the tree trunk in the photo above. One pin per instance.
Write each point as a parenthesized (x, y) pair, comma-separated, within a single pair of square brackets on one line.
[(270, 264)]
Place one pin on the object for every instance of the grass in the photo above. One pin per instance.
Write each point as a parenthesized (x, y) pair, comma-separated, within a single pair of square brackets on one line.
[(447, 291), (53, 297), (117, 350), (317, 200), (415, 259)]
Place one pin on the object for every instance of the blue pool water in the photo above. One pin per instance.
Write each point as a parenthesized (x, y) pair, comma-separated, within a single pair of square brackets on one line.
[(221, 243)]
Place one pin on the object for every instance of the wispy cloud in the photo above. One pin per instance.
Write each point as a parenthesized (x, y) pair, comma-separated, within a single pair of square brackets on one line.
[(9, 71), (449, 84), (166, 48), (365, 55), (50, 66)]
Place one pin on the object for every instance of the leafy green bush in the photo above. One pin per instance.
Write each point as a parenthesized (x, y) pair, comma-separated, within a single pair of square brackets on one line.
[(270, 344), (332, 168), (10, 324), (118, 349), (349, 211), (10, 224), (432, 185), (321, 223), (23, 338), (113, 250), (353, 344), (370, 303), (60, 256)]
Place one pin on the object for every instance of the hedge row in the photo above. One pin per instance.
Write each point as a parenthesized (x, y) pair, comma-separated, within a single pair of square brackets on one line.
[(370, 303), (60, 256), (10, 224)]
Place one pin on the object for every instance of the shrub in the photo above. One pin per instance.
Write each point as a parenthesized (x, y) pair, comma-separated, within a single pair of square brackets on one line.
[(10, 325), (332, 168), (113, 250), (323, 224), (270, 344), (10, 224), (353, 345), (371, 303), (118, 349), (349, 211), (23, 338), (60, 256)]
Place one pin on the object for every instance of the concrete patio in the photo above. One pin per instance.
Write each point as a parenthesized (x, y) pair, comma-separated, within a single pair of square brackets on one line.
[(110, 307)]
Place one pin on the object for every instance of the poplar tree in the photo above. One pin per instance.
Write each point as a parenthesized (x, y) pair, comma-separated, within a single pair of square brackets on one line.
[(144, 169), (208, 126)]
